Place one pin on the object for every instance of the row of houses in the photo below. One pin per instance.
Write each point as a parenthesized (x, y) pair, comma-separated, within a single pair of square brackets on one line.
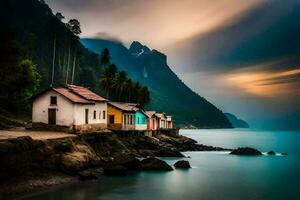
[(80, 109)]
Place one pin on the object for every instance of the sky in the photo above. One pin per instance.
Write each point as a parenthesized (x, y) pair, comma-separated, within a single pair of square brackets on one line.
[(243, 56)]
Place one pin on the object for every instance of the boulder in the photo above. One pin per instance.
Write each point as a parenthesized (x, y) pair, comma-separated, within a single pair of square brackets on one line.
[(64, 146), (132, 164), (72, 163), (247, 151), (284, 154), (271, 153), (182, 164), (155, 164), (115, 170), (90, 174), (169, 153)]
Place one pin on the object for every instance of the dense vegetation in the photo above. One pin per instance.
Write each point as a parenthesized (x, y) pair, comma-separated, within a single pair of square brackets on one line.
[(19, 77), (118, 87), (54, 55), (168, 93), (40, 49)]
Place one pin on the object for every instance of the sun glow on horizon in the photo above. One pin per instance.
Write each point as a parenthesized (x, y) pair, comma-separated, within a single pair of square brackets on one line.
[(265, 84)]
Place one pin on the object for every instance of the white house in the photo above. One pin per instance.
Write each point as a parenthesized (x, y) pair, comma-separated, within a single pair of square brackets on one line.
[(74, 107)]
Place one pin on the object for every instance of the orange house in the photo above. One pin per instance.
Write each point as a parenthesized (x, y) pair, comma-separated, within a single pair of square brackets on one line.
[(169, 122), (152, 120)]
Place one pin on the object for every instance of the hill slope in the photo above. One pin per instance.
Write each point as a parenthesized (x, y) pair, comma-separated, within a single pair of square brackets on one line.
[(236, 123), (168, 92), (34, 28)]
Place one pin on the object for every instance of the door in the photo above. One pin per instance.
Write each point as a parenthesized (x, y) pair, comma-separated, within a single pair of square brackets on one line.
[(86, 116), (52, 116), (111, 119)]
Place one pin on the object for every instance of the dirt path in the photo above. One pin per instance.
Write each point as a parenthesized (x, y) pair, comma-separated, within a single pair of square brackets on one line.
[(36, 135)]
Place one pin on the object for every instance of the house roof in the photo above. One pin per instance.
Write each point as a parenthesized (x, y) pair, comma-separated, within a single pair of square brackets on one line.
[(127, 107), (85, 93), (161, 115), (71, 96), (150, 113), (76, 94)]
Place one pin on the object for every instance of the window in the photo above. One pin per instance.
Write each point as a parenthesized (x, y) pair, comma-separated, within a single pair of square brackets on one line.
[(95, 114), (53, 100), (104, 114)]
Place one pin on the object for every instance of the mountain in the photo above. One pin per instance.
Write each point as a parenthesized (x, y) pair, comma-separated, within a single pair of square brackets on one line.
[(36, 30), (236, 123), (168, 92)]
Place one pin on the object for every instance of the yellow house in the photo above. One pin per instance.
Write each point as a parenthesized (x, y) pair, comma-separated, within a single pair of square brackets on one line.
[(121, 115)]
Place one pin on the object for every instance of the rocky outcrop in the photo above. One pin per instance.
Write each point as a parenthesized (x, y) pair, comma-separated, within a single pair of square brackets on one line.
[(247, 151), (166, 152), (90, 174), (82, 157), (271, 153), (19, 155), (115, 170), (155, 164), (132, 164), (182, 164)]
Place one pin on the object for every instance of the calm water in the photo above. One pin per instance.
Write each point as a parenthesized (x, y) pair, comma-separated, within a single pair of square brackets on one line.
[(214, 175)]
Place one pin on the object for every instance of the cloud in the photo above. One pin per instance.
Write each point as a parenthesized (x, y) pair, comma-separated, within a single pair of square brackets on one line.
[(157, 23)]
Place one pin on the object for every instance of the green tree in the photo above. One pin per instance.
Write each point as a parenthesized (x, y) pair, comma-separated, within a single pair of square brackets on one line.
[(19, 77), (107, 80), (120, 84), (105, 57), (74, 26), (144, 96)]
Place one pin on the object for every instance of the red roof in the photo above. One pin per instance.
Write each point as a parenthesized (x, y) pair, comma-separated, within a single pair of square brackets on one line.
[(76, 94), (71, 96), (85, 93)]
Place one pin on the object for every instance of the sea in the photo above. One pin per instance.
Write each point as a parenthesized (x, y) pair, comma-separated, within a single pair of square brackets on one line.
[(213, 176)]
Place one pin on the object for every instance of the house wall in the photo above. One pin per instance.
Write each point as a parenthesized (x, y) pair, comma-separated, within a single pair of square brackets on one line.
[(64, 109), (128, 122), (118, 116), (140, 121), (163, 123), (101, 118), (152, 123)]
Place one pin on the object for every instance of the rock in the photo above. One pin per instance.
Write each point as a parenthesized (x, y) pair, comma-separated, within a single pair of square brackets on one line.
[(132, 164), (64, 146), (115, 170), (284, 154), (247, 151), (271, 153), (169, 153), (155, 164), (90, 174), (72, 163), (182, 164)]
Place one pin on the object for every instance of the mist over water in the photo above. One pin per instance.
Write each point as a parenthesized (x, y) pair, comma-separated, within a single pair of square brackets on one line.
[(214, 175)]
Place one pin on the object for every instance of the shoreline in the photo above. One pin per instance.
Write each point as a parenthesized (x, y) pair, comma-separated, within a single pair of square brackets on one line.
[(48, 164)]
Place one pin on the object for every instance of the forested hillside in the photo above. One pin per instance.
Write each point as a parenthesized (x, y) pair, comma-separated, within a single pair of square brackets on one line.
[(49, 50), (168, 92)]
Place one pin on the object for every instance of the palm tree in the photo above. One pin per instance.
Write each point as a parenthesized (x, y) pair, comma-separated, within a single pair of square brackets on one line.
[(129, 90), (137, 88), (108, 78), (144, 97), (121, 84)]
